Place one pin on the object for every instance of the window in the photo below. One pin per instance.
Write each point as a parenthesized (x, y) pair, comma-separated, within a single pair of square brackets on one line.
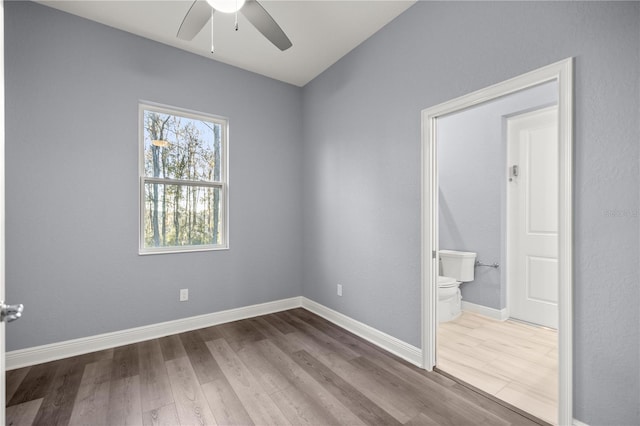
[(183, 180)]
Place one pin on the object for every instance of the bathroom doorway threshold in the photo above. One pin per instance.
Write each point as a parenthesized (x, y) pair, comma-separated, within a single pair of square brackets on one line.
[(492, 398)]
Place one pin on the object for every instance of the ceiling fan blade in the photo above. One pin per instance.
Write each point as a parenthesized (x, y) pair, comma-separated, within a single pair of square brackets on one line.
[(261, 19), (198, 15)]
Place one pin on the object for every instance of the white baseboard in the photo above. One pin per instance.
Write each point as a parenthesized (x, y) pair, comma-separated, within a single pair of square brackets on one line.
[(579, 423), (498, 314), (389, 343), (59, 350)]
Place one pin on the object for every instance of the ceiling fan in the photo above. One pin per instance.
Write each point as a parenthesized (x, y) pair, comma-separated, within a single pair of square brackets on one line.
[(202, 10)]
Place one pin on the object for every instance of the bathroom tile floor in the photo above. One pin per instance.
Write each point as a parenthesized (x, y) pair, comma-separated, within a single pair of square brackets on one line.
[(513, 361)]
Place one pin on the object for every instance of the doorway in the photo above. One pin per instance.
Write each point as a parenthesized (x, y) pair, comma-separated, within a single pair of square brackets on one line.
[(561, 73), (497, 183)]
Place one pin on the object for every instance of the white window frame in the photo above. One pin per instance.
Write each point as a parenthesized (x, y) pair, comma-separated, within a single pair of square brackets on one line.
[(223, 184)]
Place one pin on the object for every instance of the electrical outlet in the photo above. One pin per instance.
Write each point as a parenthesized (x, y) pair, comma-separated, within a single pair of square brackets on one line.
[(184, 294), (339, 289)]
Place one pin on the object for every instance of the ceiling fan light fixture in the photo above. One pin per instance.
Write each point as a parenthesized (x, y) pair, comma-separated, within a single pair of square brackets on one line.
[(226, 6)]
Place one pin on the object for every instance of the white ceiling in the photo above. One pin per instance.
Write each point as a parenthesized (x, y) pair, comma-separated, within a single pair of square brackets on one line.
[(322, 31)]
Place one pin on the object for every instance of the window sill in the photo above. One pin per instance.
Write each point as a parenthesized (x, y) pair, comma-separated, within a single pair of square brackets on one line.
[(176, 250)]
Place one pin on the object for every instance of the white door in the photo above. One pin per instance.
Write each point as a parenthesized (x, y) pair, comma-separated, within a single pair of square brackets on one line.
[(532, 233)]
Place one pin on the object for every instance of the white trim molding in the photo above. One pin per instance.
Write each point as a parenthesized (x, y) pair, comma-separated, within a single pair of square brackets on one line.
[(497, 314), (562, 72), (579, 423), (59, 350), (389, 343)]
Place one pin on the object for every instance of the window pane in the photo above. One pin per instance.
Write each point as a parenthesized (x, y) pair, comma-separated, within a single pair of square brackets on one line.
[(181, 215), (183, 148)]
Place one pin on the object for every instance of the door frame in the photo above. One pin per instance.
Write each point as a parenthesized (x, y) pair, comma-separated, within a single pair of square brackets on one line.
[(562, 72)]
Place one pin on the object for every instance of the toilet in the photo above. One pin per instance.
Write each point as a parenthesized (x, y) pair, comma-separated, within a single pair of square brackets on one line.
[(456, 267)]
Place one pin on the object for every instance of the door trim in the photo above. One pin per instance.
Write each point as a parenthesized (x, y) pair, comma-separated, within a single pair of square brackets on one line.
[(562, 72)]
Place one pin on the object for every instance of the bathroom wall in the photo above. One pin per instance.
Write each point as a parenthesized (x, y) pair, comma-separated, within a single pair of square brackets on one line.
[(472, 173)]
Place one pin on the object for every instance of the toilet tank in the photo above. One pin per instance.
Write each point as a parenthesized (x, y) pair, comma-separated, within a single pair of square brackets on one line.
[(458, 264)]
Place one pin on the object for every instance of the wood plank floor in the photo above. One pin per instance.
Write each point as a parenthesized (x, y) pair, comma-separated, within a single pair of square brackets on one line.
[(513, 361), (288, 368)]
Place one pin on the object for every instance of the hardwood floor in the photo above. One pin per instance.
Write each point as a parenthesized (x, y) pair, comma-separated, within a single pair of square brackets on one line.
[(291, 367), (513, 361)]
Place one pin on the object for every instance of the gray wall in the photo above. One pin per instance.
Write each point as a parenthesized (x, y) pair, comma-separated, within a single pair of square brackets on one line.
[(362, 169), (472, 179), (72, 91), (72, 88)]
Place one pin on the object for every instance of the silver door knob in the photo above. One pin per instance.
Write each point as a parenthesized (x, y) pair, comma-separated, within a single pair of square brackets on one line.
[(10, 313)]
